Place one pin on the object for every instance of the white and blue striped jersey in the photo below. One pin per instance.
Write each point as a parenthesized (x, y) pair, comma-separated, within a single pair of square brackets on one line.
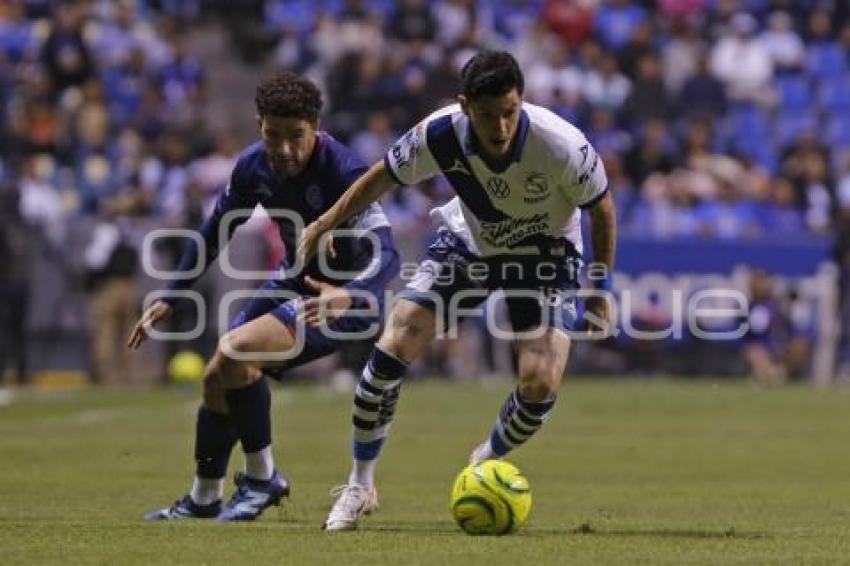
[(535, 200)]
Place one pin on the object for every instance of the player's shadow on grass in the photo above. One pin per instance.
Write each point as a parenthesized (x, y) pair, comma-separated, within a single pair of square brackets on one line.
[(409, 527), (444, 528), (586, 529)]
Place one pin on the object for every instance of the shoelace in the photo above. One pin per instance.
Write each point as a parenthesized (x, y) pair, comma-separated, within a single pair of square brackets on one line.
[(177, 508), (338, 489), (241, 492), (345, 492)]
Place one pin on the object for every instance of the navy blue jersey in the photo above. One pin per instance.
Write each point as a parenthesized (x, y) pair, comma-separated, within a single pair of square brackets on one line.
[(332, 168)]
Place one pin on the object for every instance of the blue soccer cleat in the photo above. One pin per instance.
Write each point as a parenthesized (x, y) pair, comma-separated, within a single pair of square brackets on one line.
[(254, 496), (185, 509)]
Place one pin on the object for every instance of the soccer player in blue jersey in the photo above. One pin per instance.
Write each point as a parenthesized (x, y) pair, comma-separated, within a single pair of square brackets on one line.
[(295, 169), (522, 176)]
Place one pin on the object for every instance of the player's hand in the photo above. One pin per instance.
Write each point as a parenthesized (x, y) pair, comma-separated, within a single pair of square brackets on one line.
[(331, 303), (308, 243), (330, 251), (597, 316), (157, 312)]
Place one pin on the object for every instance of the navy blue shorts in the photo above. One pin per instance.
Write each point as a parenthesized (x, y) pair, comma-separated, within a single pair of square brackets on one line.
[(539, 290), (281, 301)]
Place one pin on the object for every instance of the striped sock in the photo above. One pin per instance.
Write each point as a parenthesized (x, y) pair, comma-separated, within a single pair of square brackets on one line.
[(374, 403), (518, 421)]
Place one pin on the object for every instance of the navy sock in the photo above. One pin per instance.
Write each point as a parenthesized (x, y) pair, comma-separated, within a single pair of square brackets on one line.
[(250, 407), (215, 437)]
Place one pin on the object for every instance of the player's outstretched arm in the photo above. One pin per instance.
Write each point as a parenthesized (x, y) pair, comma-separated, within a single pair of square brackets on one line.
[(157, 312), (365, 190), (603, 235), (213, 239)]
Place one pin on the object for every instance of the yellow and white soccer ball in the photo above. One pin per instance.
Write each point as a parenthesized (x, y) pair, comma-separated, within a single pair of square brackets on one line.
[(186, 366), (491, 498)]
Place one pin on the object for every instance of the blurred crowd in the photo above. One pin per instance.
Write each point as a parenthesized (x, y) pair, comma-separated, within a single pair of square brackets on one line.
[(724, 118), (715, 118)]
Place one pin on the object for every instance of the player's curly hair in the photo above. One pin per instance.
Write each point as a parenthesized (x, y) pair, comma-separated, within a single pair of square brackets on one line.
[(288, 95), (491, 73)]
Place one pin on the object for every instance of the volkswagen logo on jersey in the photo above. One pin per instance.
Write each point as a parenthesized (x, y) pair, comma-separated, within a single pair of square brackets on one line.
[(537, 188), (498, 187), (314, 197)]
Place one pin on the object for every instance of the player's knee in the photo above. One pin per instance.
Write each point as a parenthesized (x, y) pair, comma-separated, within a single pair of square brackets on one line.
[(538, 381), (409, 332), (537, 390), (231, 367), (236, 344), (403, 343)]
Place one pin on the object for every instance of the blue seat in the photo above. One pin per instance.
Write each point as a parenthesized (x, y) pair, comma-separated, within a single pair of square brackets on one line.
[(791, 125), (744, 121), (826, 59), (759, 148), (794, 91), (834, 94), (838, 130)]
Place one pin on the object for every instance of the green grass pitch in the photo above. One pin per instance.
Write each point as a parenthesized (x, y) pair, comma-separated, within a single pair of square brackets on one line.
[(626, 472)]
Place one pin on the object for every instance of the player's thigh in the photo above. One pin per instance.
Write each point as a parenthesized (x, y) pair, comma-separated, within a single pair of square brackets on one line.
[(433, 299), (263, 341), (269, 298), (541, 361), (314, 342), (409, 330)]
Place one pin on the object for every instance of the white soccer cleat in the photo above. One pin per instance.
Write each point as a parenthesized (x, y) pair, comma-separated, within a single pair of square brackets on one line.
[(352, 502)]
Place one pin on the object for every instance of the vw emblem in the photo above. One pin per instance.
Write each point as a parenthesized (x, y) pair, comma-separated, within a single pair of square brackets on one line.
[(498, 187)]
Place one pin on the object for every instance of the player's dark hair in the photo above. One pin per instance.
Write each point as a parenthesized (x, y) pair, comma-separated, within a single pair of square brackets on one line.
[(288, 95), (491, 73)]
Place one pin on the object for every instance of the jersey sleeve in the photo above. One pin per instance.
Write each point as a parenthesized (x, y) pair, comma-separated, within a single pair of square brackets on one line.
[(238, 195), (586, 175), (409, 160)]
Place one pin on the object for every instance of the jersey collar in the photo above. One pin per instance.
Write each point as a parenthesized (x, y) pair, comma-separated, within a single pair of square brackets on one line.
[(470, 143)]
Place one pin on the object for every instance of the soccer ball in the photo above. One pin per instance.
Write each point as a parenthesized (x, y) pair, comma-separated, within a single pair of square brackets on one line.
[(186, 366), (491, 498)]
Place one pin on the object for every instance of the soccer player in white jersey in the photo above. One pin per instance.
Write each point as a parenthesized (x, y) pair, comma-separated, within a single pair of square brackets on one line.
[(522, 176)]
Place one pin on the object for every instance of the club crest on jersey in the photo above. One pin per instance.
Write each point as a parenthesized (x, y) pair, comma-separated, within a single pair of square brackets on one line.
[(314, 197), (536, 188), (498, 187)]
